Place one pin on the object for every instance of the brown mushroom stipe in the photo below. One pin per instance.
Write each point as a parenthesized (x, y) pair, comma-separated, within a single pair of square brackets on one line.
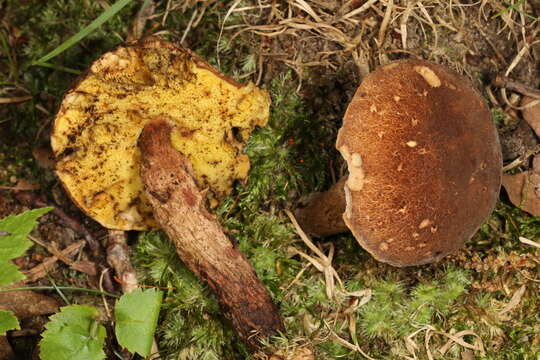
[(179, 207), (424, 163), (328, 206)]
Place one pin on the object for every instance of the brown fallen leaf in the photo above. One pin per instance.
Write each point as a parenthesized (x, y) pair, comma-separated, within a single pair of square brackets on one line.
[(26, 303), (137, 27), (531, 113), (44, 157), (14, 99), (524, 190), (514, 301)]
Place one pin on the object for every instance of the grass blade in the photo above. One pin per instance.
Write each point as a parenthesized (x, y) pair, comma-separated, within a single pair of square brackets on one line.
[(100, 20)]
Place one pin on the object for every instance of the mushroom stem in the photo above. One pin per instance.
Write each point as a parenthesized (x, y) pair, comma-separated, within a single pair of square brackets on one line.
[(322, 214), (179, 208)]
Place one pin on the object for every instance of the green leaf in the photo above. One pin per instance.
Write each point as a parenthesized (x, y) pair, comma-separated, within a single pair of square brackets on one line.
[(101, 19), (136, 316), (9, 273), (14, 241), (15, 229), (8, 321), (73, 334)]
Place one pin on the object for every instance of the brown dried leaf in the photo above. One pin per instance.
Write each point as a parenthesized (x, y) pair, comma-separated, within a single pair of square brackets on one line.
[(49, 264), (524, 191), (25, 304), (531, 114), (297, 353), (137, 27), (44, 157), (516, 298)]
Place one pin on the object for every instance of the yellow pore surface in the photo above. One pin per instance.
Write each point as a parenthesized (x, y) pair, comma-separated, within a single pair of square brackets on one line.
[(100, 120)]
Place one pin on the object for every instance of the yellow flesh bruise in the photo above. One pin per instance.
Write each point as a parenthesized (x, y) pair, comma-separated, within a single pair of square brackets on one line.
[(99, 122)]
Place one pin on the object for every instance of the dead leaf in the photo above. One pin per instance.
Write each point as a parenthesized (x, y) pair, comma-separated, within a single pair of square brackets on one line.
[(531, 114), (524, 191), (44, 157), (49, 264), (296, 353), (26, 303), (514, 301), (467, 355), (137, 27)]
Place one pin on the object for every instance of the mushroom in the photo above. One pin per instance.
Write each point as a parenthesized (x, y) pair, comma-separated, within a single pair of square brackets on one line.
[(100, 119), (143, 138), (424, 165)]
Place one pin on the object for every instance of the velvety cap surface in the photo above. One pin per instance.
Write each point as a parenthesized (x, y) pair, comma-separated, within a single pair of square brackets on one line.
[(424, 162)]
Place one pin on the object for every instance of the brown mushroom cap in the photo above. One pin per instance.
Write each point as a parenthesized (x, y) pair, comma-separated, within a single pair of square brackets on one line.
[(424, 162)]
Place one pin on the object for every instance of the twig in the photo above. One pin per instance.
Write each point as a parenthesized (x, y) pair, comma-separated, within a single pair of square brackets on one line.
[(520, 160), (504, 82), (48, 264), (15, 99)]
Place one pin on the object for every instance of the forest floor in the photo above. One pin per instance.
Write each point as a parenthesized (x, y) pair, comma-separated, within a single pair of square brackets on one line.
[(480, 303)]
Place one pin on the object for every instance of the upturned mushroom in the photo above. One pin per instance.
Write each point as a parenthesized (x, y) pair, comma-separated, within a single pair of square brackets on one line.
[(424, 165), (143, 138)]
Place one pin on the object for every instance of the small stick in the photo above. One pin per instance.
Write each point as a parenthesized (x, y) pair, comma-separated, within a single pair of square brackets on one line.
[(49, 263), (504, 82)]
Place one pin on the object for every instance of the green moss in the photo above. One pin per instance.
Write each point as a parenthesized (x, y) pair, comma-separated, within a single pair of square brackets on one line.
[(287, 156), (393, 314)]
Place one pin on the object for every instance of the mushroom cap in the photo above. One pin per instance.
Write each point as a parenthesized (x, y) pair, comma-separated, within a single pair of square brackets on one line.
[(100, 119), (424, 162)]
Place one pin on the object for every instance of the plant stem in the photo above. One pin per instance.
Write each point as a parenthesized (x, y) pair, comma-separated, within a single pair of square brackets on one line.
[(70, 288)]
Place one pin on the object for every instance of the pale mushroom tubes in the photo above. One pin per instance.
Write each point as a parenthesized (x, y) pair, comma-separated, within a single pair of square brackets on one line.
[(424, 164), (143, 138)]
